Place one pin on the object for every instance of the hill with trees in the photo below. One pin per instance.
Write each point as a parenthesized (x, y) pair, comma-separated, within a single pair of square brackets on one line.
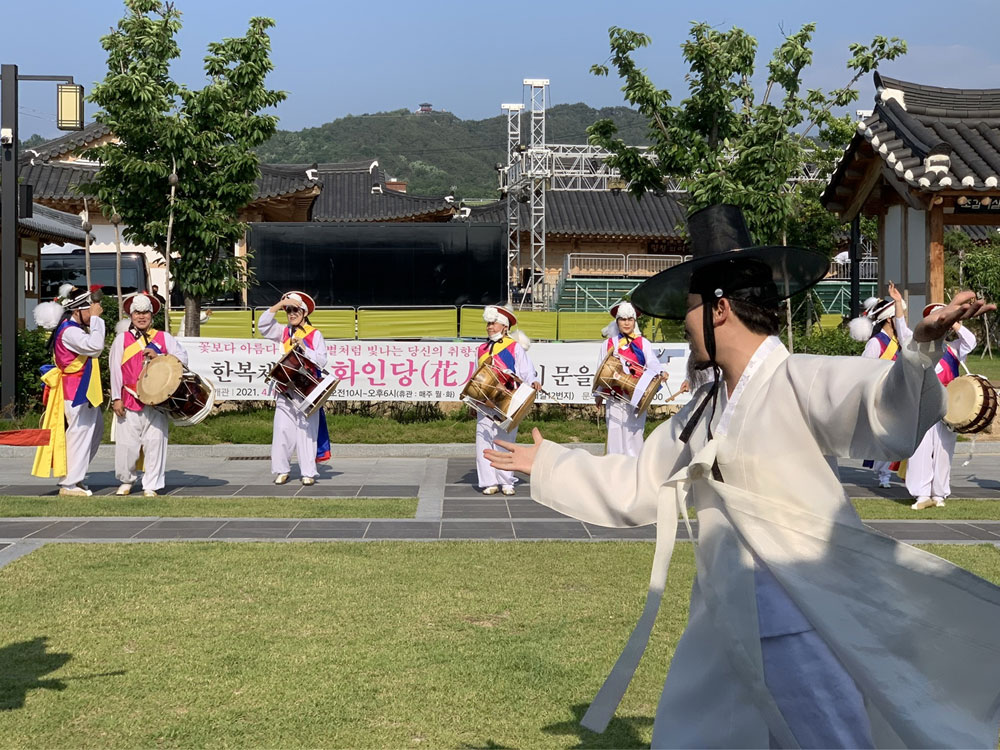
[(438, 153)]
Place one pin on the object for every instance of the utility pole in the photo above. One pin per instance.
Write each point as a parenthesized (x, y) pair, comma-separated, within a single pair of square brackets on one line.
[(70, 117)]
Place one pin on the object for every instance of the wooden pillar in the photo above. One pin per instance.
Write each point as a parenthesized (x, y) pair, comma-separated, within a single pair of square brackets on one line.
[(935, 256)]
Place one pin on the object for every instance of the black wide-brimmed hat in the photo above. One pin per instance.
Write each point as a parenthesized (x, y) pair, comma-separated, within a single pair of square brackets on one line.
[(725, 260)]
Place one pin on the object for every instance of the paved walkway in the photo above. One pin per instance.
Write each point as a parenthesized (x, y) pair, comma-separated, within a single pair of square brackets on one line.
[(442, 478)]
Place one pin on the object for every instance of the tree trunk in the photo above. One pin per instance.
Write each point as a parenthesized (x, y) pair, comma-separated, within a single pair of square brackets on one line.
[(192, 315)]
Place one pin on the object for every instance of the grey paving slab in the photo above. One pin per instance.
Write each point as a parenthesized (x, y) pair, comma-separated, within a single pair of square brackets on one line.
[(326, 490), (973, 531), (430, 494), (110, 529), (181, 529), (992, 529), (645, 533), (255, 529), (388, 490), (54, 530), (403, 530), (550, 530), (20, 529), (11, 552), (329, 530), (477, 530), (268, 490)]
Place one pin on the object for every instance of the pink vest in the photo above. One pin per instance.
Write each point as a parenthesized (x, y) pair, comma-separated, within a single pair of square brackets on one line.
[(132, 367), (63, 357)]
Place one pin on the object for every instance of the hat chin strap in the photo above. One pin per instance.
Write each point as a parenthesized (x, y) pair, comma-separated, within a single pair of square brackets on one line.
[(708, 337)]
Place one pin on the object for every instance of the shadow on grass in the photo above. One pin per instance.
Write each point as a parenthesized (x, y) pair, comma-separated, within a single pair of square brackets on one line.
[(621, 732), (22, 666)]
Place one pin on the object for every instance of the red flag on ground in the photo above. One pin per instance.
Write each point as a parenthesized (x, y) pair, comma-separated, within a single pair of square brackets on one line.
[(24, 437)]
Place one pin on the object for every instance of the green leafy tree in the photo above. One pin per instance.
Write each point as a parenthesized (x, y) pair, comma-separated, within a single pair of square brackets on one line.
[(720, 143), (981, 273), (206, 137)]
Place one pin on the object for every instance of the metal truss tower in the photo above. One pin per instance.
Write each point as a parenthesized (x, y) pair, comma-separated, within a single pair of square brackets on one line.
[(536, 173), (508, 178)]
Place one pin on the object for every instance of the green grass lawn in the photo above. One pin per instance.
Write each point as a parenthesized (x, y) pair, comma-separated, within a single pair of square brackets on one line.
[(986, 366), (334, 645), (209, 507), (956, 509), (255, 427)]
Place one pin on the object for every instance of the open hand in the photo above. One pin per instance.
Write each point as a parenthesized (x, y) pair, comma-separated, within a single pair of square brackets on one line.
[(963, 306), (517, 456), (895, 293)]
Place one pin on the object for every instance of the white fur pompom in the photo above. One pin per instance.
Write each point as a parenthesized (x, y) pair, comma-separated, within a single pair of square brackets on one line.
[(122, 325), (65, 290), (48, 314), (860, 329), (870, 303), (610, 329), (522, 338)]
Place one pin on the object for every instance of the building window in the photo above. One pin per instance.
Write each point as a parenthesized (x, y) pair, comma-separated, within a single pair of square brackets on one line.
[(30, 277)]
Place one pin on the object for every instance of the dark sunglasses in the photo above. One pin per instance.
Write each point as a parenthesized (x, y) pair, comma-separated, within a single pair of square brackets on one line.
[(291, 310)]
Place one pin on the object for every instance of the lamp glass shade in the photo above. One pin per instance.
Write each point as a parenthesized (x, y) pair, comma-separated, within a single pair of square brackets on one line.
[(69, 106)]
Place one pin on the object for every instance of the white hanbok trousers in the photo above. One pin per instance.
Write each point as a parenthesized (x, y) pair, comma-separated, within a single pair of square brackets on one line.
[(83, 437), (928, 472), (144, 430), (882, 471), (624, 428), (487, 433), (293, 432)]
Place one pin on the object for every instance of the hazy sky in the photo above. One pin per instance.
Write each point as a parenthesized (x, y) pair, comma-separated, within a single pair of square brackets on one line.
[(336, 58)]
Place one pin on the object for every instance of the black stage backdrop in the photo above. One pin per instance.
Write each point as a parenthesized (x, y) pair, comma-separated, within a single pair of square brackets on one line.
[(379, 264)]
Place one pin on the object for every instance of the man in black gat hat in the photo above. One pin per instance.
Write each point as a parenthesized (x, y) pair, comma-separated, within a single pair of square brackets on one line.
[(806, 629)]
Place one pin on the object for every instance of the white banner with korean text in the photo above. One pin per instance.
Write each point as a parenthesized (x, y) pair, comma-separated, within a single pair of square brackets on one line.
[(411, 371)]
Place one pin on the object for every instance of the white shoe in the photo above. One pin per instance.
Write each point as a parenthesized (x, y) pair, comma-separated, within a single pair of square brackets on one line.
[(491, 490), (922, 502), (125, 488), (150, 493), (885, 484), (507, 489), (308, 481), (74, 491), (281, 479), (938, 501)]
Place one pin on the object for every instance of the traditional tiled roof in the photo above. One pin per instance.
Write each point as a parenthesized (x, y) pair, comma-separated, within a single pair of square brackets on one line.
[(932, 138), (57, 181), (50, 225), (598, 213), (68, 143), (356, 191), (277, 180)]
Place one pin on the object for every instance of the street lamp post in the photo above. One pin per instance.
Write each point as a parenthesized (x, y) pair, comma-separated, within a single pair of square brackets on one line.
[(70, 117)]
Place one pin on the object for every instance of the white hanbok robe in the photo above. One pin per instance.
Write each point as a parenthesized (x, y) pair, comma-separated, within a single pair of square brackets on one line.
[(84, 425), (625, 427), (919, 637), (488, 431), (928, 472), (293, 431), (144, 430), (873, 350)]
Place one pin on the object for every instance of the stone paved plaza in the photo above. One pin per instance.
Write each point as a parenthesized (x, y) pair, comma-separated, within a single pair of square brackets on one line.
[(441, 477)]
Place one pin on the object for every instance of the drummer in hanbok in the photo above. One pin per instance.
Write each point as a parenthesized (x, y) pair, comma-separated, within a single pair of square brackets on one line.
[(625, 426), (511, 356), (294, 432), (140, 430), (73, 392), (928, 471)]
